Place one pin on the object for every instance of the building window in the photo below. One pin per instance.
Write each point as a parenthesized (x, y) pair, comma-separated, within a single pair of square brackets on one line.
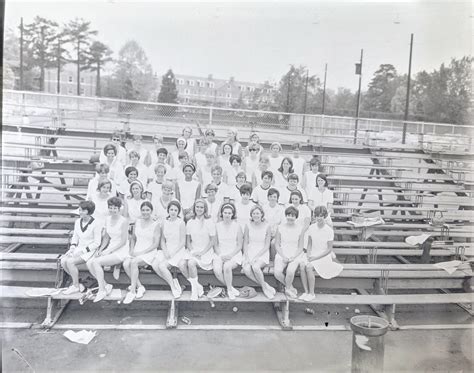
[(82, 91), (228, 86), (82, 80), (69, 91), (229, 95), (69, 79), (191, 83), (210, 84), (200, 83), (180, 81), (186, 100), (186, 91)]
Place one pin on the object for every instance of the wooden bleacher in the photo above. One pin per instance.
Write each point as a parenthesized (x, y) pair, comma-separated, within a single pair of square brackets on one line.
[(30, 254)]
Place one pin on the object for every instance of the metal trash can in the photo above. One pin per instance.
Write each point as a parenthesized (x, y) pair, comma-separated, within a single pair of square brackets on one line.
[(368, 343)]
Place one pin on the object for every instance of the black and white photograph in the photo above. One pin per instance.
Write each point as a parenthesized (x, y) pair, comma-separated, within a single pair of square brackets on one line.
[(237, 186)]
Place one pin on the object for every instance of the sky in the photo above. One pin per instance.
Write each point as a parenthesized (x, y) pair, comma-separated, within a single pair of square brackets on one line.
[(258, 41)]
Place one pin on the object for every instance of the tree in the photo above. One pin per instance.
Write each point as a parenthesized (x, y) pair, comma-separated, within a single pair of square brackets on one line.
[(95, 59), (291, 92), (342, 102), (168, 92), (39, 39), (381, 90), (133, 70), (79, 33)]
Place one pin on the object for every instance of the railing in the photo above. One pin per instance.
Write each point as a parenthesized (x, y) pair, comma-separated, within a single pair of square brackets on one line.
[(57, 108)]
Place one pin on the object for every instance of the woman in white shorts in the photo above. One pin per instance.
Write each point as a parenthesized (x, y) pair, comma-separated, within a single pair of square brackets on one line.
[(200, 240), (228, 248), (173, 250), (84, 244), (114, 249), (289, 249), (257, 249), (143, 250)]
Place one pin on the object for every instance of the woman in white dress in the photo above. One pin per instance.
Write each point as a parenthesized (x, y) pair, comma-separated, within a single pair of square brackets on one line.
[(187, 133), (102, 174), (233, 142), (228, 248), (160, 205), (134, 201), (181, 147), (224, 158), (275, 156), (309, 178), (100, 198), (321, 195), (115, 167), (304, 212), (114, 248), (257, 250), (84, 244), (173, 250), (143, 171), (188, 189), (200, 240), (254, 142), (280, 177), (143, 250)]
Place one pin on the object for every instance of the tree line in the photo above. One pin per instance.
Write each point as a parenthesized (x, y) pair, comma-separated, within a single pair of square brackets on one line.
[(441, 95)]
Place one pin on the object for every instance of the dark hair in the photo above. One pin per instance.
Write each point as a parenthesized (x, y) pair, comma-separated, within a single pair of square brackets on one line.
[(289, 161), (295, 146), (89, 206), (114, 201), (292, 210), (246, 188), (273, 191), (314, 161), (104, 182), (296, 193), (210, 132), (241, 174), (133, 152), (183, 155), (110, 147), (102, 167), (185, 142), (235, 157), (136, 182), (162, 151), (324, 177), (130, 169), (293, 176), (267, 173), (189, 165), (228, 205), (147, 204), (174, 203), (227, 144), (320, 210), (216, 168)]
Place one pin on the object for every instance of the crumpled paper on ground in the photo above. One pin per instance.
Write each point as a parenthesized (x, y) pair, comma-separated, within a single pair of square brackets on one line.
[(417, 240), (361, 341), (83, 336)]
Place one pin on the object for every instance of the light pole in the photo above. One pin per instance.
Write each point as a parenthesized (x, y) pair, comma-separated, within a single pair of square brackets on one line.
[(358, 72), (407, 102)]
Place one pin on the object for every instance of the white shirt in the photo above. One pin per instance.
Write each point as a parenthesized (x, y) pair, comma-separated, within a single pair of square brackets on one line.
[(285, 195), (243, 213), (320, 237), (201, 232), (187, 192), (274, 215), (322, 199), (260, 195), (121, 155), (275, 163), (298, 166), (303, 213), (289, 238)]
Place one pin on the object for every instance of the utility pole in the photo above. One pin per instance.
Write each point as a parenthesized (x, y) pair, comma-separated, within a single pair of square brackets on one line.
[(21, 54), (58, 84), (407, 102), (78, 67), (358, 72), (305, 99), (288, 93), (324, 89)]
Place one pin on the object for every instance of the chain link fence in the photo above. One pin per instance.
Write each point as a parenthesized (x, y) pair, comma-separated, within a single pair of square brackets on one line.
[(149, 117)]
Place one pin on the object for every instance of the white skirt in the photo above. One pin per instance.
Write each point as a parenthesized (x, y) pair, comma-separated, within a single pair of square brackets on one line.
[(175, 259), (149, 256), (205, 262), (326, 267)]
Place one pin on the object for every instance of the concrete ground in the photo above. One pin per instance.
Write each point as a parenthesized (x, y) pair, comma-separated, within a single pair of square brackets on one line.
[(199, 350), (187, 349)]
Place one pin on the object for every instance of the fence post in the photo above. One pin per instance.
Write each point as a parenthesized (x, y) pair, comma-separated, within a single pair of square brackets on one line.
[(210, 116)]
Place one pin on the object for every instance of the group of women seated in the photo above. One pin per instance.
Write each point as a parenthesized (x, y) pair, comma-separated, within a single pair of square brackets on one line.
[(208, 206)]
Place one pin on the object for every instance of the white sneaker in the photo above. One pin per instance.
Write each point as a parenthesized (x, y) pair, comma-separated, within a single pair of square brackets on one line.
[(176, 293), (235, 292), (200, 290), (71, 290), (116, 273), (140, 292), (291, 292), (303, 296), (310, 297), (129, 298), (230, 294), (99, 296), (108, 288), (267, 290)]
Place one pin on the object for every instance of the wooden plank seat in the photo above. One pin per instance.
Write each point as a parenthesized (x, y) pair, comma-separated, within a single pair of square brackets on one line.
[(60, 186), (19, 201), (56, 174), (78, 192), (36, 219), (281, 302)]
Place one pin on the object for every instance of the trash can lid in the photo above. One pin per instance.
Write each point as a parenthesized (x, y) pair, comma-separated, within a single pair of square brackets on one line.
[(370, 326)]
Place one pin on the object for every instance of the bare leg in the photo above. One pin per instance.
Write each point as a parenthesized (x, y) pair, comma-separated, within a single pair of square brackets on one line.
[(228, 266), (249, 273), (218, 269), (74, 271), (278, 270), (311, 278), (192, 268), (290, 274), (183, 267), (304, 277)]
